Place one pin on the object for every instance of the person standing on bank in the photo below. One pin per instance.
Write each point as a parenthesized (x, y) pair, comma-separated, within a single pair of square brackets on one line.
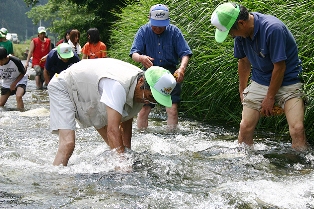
[(159, 43), (39, 48), (104, 93), (59, 59), (265, 44), (94, 48), (14, 78)]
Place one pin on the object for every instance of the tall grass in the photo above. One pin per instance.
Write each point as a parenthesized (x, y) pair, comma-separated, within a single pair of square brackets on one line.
[(123, 31), (19, 50), (210, 89)]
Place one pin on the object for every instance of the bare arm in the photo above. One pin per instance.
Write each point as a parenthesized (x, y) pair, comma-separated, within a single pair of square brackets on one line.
[(46, 76), (145, 60), (244, 71), (30, 53), (13, 84), (43, 59), (114, 135), (275, 84), (103, 133), (126, 129), (179, 73)]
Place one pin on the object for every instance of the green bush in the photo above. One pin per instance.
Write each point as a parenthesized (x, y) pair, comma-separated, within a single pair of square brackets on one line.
[(210, 88), (19, 50)]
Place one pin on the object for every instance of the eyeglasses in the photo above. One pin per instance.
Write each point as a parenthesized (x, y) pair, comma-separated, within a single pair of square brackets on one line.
[(146, 100)]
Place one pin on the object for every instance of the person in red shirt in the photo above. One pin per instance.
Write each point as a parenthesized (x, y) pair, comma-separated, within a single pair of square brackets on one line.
[(39, 48), (65, 39), (94, 48)]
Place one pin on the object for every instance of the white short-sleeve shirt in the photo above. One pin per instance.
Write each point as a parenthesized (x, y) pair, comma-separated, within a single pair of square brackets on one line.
[(112, 94)]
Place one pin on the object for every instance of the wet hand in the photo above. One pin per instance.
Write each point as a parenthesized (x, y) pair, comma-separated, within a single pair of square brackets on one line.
[(267, 107), (276, 110), (179, 75)]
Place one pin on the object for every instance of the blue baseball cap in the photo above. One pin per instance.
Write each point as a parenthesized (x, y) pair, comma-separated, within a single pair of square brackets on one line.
[(159, 15)]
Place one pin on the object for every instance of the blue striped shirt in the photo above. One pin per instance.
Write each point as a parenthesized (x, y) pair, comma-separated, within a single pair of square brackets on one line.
[(166, 48)]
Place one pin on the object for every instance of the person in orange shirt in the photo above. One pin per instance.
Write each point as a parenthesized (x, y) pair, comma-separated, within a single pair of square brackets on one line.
[(94, 48)]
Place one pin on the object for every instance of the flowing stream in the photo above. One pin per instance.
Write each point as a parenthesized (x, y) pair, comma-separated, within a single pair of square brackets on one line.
[(199, 166)]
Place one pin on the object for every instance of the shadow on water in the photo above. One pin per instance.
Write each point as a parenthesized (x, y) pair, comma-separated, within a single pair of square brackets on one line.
[(198, 166)]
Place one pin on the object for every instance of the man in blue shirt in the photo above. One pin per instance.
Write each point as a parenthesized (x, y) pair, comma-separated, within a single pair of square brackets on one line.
[(265, 44), (58, 60), (159, 43)]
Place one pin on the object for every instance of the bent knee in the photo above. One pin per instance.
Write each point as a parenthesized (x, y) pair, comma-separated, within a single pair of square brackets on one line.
[(298, 127), (246, 125), (69, 144), (19, 97)]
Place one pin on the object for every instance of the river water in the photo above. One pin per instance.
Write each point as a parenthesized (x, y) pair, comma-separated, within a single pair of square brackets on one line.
[(199, 166)]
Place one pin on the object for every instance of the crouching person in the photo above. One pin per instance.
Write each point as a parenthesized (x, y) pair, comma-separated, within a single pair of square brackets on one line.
[(106, 94)]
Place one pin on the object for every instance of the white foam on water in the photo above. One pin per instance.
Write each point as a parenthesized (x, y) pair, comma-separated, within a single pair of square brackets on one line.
[(38, 112), (172, 144), (194, 167), (288, 193), (6, 120)]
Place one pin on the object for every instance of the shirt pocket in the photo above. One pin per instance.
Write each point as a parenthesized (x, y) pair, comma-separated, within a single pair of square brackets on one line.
[(168, 51)]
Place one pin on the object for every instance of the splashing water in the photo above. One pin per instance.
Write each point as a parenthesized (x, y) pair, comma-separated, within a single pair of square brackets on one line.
[(198, 166)]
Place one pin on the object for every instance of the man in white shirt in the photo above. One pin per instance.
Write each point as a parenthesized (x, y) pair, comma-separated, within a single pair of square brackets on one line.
[(106, 94)]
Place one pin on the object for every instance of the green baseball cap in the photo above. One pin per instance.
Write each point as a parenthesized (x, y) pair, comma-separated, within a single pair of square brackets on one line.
[(223, 18), (161, 83), (65, 51), (4, 31)]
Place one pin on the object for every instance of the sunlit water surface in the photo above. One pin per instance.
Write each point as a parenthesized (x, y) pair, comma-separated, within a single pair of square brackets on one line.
[(199, 166)]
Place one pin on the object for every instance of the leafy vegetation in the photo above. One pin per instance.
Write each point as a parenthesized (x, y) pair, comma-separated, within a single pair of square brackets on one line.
[(19, 50), (210, 90), (79, 14)]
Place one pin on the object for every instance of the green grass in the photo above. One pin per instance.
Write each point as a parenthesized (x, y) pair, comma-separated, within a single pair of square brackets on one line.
[(210, 89), (19, 50)]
